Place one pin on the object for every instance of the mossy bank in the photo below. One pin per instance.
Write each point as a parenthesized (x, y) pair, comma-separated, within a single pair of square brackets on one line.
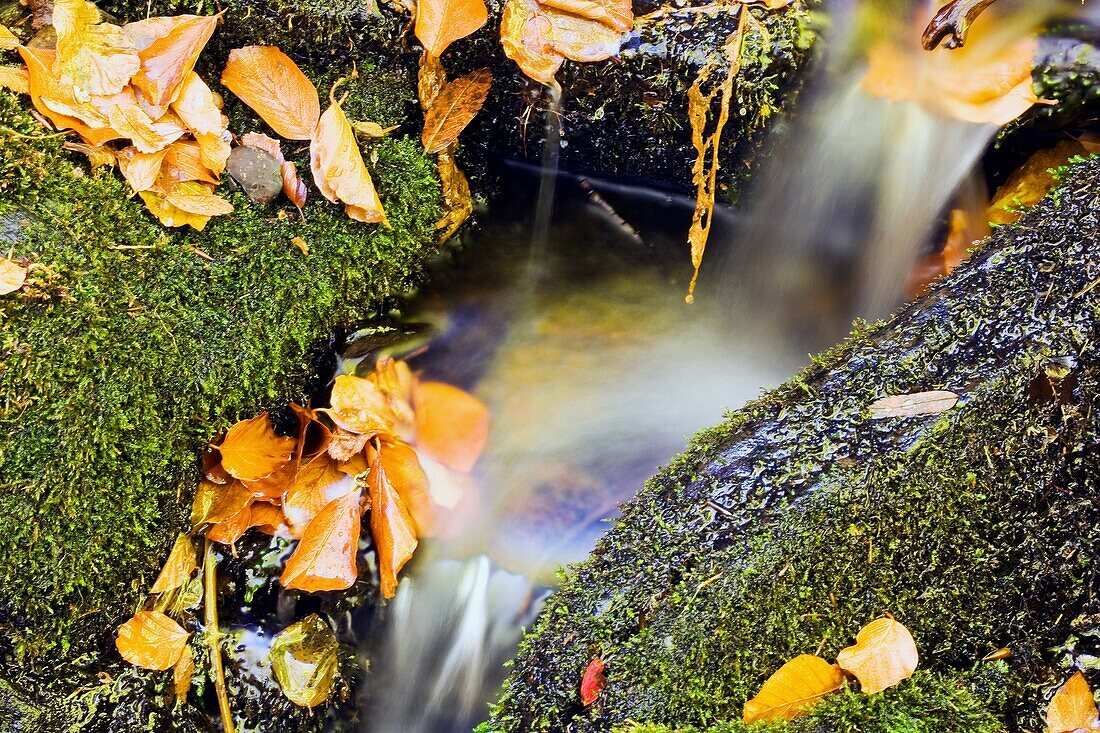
[(132, 344), (800, 519)]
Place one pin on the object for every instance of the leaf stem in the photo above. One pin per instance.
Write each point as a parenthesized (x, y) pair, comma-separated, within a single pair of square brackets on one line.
[(213, 635)]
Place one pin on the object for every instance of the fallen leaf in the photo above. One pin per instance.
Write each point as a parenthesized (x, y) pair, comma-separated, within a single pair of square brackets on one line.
[(372, 129), (884, 654), (251, 450), (216, 503), (130, 121), (183, 162), (275, 88), (267, 518), (92, 57), (539, 36), (338, 168), (54, 101), (439, 23), (169, 215), (396, 382), (355, 465), (1073, 707), (168, 60), (304, 659), (141, 170), (452, 426), (325, 556), (316, 484), (16, 79), (453, 109), (232, 528), (1031, 182), (300, 244), (182, 673), (392, 527), (402, 467), (12, 276), (360, 406), (98, 155), (151, 640), (931, 402), (8, 40), (592, 681), (195, 197), (198, 109), (794, 688), (293, 186), (457, 203), (181, 563), (343, 444)]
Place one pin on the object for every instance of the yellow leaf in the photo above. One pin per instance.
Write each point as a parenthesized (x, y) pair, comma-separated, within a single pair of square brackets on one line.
[(884, 654), (392, 528), (169, 215), (128, 120), (98, 155), (1073, 707), (1031, 182), (12, 276), (360, 406), (453, 109), (338, 168), (372, 129), (304, 660), (54, 101), (177, 569), (251, 450), (16, 79), (170, 58), (140, 170), (8, 40), (151, 640), (439, 23), (539, 36), (183, 162), (325, 556), (216, 503), (795, 687), (315, 485), (182, 673), (198, 109), (92, 57), (194, 197), (275, 88)]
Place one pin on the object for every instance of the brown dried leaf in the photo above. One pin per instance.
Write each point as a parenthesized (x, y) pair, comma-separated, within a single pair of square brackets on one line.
[(439, 23), (325, 556), (1073, 707), (151, 640), (271, 84), (794, 688), (908, 405), (181, 562), (338, 168), (392, 527), (343, 444), (454, 108), (251, 450), (12, 276), (884, 654), (457, 203)]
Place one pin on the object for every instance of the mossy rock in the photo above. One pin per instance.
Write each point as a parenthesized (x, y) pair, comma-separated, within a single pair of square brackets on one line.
[(132, 344), (800, 519)]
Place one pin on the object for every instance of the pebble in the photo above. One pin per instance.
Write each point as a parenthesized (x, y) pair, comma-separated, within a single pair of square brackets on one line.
[(257, 173)]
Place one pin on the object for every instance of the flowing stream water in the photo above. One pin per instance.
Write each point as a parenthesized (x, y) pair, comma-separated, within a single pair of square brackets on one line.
[(572, 328)]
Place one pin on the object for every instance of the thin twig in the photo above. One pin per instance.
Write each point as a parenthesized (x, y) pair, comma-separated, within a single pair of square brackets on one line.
[(213, 635)]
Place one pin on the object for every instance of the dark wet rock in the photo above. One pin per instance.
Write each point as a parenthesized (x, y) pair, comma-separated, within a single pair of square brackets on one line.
[(257, 172)]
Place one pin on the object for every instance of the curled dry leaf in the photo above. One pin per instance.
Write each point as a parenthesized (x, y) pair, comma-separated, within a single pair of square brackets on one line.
[(884, 654), (12, 276), (181, 563), (1073, 707), (592, 681), (360, 406), (269, 82), (182, 673), (452, 426), (293, 186), (392, 527), (372, 129), (338, 168), (439, 23), (931, 402), (453, 109), (539, 36), (151, 640), (304, 659), (251, 449), (793, 689), (325, 556)]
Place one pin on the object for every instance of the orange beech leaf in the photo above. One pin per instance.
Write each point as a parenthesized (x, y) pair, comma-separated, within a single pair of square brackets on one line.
[(212, 464), (12, 276), (275, 88), (140, 170), (452, 426), (195, 197), (325, 556), (359, 406), (131, 122), (181, 562), (402, 467), (98, 155), (169, 215), (592, 681), (92, 57), (439, 23), (794, 688), (453, 109), (539, 36), (54, 101), (215, 503), (16, 79), (182, 673), (355, 465), (198, 109), (166, 61), (396, 382), (884, 654), (232, 528), (267, 518), (313, 435), (251, 450), (272, 488), (343, 444), (338, 168), (151, 640), (1073, 707), (183, 162), (392, 527), (315, 485), (265, 143)]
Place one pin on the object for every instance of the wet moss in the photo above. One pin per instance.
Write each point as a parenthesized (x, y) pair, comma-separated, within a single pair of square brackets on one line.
[(132, 344), (800, 519)]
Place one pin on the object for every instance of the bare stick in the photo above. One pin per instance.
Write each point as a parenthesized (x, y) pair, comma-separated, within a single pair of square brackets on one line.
[(213, 635)]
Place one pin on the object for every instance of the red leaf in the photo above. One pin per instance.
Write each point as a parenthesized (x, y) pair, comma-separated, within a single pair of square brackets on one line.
[(592, 682)]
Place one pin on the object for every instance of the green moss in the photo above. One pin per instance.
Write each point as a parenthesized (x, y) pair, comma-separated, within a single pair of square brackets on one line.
[(133, 344)]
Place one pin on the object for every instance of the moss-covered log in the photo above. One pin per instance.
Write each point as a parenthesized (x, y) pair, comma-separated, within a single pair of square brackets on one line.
[(801, 518)]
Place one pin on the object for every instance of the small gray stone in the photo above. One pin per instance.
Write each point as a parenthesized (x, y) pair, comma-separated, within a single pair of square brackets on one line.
[(257, 173)]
